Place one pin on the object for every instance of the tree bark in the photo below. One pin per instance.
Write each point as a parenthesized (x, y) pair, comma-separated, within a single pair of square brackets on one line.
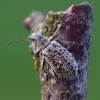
[(75, 36)]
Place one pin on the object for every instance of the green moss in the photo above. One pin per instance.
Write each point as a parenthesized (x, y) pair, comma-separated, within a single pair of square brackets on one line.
[(31, 48), (52, 20), (36, 64), (63, 94)]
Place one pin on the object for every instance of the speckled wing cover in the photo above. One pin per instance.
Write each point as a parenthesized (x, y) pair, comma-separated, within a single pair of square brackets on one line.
[(61, 61)]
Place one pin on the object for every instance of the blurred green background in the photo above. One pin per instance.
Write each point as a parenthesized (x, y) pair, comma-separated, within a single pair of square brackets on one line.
[(18, 80)]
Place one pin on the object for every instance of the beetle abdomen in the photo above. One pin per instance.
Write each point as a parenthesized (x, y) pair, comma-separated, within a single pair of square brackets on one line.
[(61, 61)]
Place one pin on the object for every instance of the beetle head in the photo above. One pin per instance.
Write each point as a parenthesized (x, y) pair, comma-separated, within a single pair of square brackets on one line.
[(39, 40)]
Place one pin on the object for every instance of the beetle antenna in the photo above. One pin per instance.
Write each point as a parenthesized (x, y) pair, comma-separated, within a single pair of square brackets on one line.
[(55, 33), (16, 41)]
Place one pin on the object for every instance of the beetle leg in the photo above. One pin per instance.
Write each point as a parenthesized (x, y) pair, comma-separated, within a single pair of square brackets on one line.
[(55, 33), (36, 54), (59, 80), (67, 91), (71, 94), (43, 64)]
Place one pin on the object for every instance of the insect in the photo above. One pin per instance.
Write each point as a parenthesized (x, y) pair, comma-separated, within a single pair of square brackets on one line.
[(62, 62)]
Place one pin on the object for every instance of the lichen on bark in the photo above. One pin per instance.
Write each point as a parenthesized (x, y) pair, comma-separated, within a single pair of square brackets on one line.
[(75, 36)]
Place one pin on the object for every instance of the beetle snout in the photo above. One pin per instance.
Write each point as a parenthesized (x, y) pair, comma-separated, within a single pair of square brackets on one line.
[(31, 38)]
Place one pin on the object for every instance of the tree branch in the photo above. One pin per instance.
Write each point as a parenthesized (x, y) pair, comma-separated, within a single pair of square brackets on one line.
[(75, 36)]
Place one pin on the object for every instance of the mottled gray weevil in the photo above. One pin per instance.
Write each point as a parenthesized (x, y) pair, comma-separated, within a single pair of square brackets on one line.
[(62, 62)]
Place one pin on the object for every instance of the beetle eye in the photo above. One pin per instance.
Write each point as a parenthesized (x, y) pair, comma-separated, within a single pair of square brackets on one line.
[(31, 39)]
